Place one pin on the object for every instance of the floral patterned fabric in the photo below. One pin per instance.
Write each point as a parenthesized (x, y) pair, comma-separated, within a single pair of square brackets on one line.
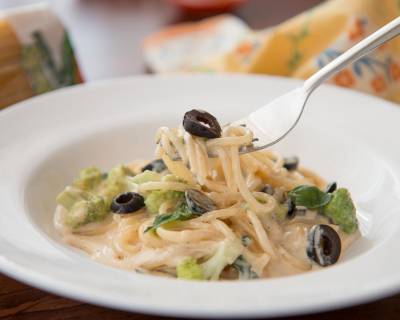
[(296, 48)]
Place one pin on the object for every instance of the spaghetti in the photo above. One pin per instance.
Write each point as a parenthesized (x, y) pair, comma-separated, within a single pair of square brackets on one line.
[(248, 234)]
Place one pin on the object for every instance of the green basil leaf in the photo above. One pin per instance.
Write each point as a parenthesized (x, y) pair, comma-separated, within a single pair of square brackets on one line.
[(182, 213), (309, 197)]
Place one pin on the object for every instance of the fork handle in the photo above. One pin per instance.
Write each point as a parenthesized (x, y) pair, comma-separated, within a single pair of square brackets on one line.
[(387, 32)]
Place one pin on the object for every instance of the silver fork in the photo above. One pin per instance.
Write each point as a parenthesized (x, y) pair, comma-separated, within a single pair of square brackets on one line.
[(275, 120)]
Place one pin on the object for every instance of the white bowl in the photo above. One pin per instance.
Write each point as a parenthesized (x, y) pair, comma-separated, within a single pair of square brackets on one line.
[(345, 136)]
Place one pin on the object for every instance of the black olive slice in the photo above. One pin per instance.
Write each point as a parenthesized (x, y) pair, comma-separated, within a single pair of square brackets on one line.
[(323, 245), (156, 165), (198, 203), (268, 189), (291, 163), (291, 209), (201, 124), (127, 202), (331, 187)]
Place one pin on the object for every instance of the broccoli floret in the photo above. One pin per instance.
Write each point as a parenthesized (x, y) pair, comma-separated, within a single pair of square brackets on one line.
[(113, 187), (88, 178), (146, 176), (116, 182), (342, 211), (89, 198), (189, 269), (155, 198), (226, 254), (70, 196), (86, 211), (120, 171)]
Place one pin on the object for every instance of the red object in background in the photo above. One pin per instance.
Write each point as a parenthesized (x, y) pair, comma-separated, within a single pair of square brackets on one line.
[(206, 5)]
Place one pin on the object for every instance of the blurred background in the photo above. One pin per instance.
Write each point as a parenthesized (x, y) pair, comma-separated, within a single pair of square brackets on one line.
[(46, 45), (107, 35)]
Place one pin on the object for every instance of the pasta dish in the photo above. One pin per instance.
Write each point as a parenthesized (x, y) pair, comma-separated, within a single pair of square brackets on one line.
[(203, 211)]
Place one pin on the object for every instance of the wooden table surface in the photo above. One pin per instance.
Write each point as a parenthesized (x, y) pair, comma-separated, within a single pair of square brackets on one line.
[(107, 35)]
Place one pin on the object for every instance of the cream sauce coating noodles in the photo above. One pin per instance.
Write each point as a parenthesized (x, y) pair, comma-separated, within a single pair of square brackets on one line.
[(273, 247)]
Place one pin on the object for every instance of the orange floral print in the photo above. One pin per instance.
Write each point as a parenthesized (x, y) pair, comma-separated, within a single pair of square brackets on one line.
[(243, 48), (394, 70), (356, 31), (378, 84), (344, 78), (383, 47)]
